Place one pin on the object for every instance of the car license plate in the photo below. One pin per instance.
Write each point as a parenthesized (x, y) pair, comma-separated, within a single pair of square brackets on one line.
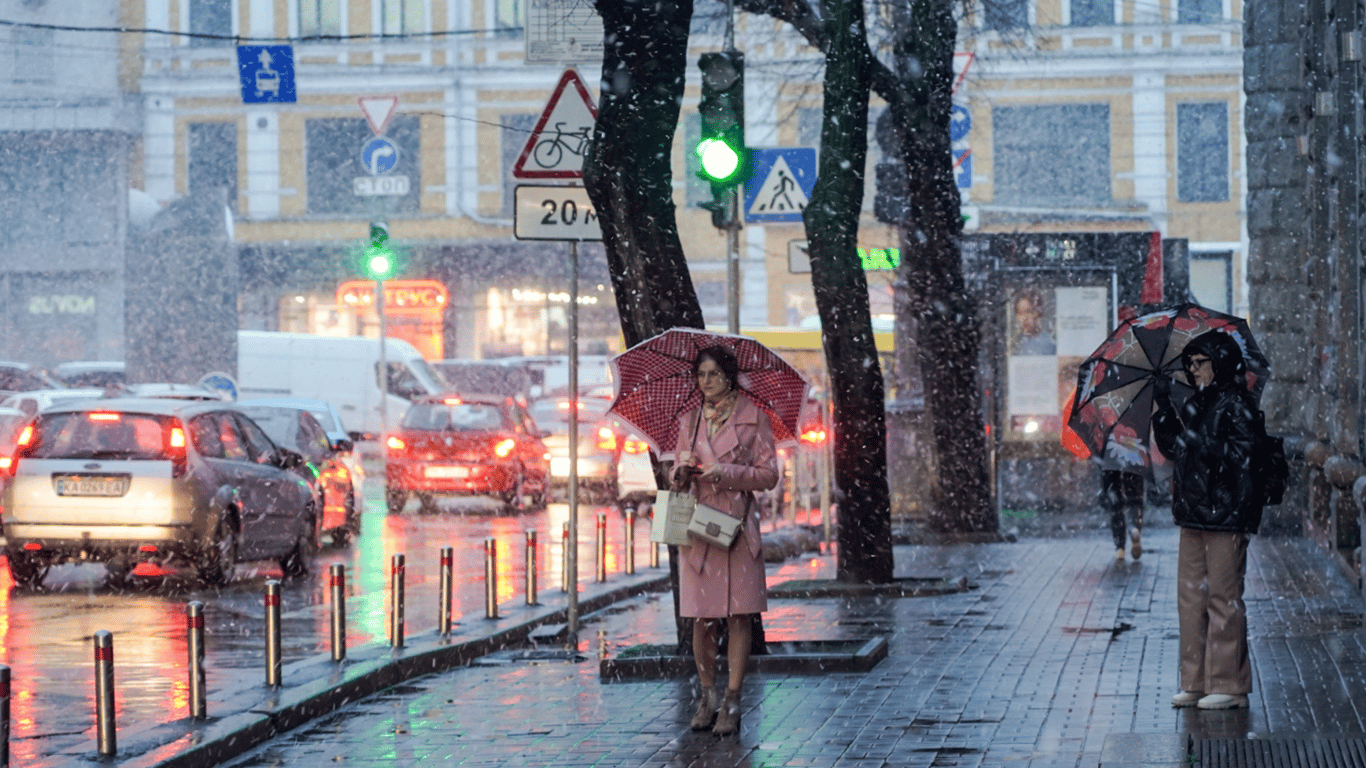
[(91, 485), (446, 473)]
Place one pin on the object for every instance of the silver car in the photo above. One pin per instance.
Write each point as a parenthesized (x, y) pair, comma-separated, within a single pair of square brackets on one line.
[(129, 480)]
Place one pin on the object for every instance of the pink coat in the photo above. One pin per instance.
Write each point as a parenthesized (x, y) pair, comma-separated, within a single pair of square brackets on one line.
[(715, 582)]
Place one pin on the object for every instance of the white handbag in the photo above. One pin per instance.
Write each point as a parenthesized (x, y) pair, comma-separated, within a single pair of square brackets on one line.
[(714, 526), (671, 514)]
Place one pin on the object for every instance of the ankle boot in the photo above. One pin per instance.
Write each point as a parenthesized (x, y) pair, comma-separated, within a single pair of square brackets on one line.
[(707, 702), (728, 717)]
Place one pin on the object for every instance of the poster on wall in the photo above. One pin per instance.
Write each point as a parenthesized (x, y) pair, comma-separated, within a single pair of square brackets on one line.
[(1053, 320)]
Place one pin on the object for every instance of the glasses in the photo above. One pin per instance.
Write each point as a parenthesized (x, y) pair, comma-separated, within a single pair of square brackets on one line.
[(705, 375), (1196, 362)]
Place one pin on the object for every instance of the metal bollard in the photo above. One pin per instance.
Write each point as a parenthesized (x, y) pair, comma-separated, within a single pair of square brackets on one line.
[(602, 643), (490, 578), (396, 602), (4, 716), (273, 664), (194, 623), (107, 741), (564, 558), (530, 567), (336, 580), (602, 547), (630, 540), (443, 618), (654, 554)]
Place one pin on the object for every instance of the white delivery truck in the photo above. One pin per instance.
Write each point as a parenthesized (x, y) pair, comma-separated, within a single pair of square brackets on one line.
[(344, 371)]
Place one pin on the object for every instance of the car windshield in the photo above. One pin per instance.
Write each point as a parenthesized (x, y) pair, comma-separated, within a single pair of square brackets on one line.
[(99, 435), (460, 417)]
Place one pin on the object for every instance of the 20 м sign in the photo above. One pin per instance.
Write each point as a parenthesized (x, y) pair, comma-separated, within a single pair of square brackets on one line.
[(555, 213)]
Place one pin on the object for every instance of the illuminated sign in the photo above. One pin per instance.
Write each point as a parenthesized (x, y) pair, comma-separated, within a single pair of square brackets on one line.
[(400, 296)]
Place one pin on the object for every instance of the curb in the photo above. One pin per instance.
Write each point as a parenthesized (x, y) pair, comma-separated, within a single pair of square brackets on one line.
[(257, 716)]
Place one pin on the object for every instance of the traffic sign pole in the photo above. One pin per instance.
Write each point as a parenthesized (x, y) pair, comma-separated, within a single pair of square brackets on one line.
[(733, 261)]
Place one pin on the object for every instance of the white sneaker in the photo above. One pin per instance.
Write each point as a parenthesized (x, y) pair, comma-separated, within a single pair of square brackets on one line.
[(1187, 698), (1223, 701), (1119, 555)]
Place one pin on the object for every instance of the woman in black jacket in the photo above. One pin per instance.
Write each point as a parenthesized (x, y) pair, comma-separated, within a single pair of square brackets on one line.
[(1216, 503)]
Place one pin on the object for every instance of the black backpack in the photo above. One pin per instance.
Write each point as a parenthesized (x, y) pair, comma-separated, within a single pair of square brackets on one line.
[(1269, 466)]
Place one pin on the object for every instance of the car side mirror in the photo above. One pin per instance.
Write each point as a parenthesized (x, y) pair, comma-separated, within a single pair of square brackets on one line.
[(287, 459), (343, 445), (356, 437)]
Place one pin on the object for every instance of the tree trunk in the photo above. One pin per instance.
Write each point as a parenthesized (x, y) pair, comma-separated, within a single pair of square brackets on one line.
[(841, 288), (932, 268)]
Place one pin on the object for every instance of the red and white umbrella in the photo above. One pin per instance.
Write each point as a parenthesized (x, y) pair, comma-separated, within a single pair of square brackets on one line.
[(654, 383)]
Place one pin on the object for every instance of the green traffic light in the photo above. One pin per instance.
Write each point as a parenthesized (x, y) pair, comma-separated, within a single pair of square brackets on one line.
[(379, 265), (720, 161)]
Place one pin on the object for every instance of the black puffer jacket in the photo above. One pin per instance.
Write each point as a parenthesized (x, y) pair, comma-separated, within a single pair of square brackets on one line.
[(1210, 444)]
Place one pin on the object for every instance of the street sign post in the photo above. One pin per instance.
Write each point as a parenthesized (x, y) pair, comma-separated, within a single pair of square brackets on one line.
[(780, 185), (557, 143), (267, 73), (546, 212)]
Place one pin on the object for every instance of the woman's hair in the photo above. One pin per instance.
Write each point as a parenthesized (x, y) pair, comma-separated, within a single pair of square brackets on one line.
[(724, 359)]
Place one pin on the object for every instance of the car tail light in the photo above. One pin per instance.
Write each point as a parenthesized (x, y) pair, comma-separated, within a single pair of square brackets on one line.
[(814, 436), (607, 439), (22, 447), (504, 447), (636, 446), (6, 464), (396, 443), (451, 401), (102, 416), (175, 448)]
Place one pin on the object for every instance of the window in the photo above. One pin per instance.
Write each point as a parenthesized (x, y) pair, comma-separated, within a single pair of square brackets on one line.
[(1052, 155), (1092, 13), (333, 150), (1199, 11), (319, 17), (1004, 15), (261, 448), (1211, 278), (210, 17), (516, 132), (33, 51), (1202, 152), (508, 14), (403, 16), (212, 161)]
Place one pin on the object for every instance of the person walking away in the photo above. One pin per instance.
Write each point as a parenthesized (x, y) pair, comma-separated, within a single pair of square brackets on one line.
[(1217, 505), (725, 453), (1121, 495)]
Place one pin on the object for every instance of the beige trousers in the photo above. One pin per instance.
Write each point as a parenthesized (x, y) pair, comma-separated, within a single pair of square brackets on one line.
[(1209, 603)]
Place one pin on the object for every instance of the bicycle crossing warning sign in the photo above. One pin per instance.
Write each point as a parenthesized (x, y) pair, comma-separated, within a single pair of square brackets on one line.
[(557, 143)]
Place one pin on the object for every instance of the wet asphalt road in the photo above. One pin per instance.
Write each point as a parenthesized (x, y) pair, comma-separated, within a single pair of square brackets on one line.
[(46, 635)]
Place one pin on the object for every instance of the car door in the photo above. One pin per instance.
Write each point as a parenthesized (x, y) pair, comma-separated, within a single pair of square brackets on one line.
[(283, 493), (258, 483), (220, 443)]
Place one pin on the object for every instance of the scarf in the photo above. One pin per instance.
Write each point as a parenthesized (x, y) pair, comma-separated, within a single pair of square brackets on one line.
[(717, 413)]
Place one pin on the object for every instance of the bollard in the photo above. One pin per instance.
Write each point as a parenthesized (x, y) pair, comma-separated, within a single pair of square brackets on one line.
[(273, 664), (104, 693), (630, 540), (443, 618), (602, 547), (602, 644), (336, 580), (654, 554), (564, 558), (4, 716), (530, 567), (396, 602), (490, 578), (194, 622)]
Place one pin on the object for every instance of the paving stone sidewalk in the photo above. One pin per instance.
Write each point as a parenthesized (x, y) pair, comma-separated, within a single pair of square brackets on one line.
[(1058, 656)]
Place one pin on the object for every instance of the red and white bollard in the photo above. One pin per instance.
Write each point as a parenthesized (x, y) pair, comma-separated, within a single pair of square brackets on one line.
[(106, 740), (336, 582), (274, 665), (443, 618), (194, 626), (396, 569)]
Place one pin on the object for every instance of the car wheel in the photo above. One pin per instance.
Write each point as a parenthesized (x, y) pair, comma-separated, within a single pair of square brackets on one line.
[(515, 498), (26, 570), (352, 528), (118, 571), (216, 563), (395, 499), (299, 562)]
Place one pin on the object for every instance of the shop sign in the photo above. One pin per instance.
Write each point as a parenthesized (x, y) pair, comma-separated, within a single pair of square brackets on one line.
[(399, 295)]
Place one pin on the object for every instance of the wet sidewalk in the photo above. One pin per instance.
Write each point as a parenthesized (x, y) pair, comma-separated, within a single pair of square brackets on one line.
[(1056, 656)]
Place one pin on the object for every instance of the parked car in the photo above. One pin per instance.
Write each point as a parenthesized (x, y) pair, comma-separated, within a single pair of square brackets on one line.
[(90, 373), (33, 402), (471, 444), (22, 377), (601, 440), (328, 459), (127, 480)]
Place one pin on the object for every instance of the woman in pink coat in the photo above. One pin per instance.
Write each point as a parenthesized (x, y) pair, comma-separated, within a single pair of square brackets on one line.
[(724, 454)]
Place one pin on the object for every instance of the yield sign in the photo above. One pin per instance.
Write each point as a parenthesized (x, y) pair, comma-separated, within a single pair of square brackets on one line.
[(377, 111), (555, 149)]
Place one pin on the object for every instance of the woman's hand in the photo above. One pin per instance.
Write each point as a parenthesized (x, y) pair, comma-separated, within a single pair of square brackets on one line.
[(711, 474), (683, 477)]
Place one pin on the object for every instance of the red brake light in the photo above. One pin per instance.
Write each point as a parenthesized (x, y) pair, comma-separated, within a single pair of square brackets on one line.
[(175, 446), (25, 437), (177, 437), (6, 464), (814, 436), (636, 446), (451, 401), (607, 439), (102, 416), (396, 443), (504, 447)]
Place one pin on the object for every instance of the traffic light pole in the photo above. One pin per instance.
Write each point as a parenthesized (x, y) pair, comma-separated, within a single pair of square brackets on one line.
[(383, 376), (733, 261)]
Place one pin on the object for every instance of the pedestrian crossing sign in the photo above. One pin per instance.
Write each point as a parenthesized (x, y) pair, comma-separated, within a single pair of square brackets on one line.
[(780, 185)]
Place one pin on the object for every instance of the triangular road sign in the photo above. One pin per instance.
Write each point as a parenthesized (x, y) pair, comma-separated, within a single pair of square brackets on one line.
[(377, 111), (780, 192), (555, 149)]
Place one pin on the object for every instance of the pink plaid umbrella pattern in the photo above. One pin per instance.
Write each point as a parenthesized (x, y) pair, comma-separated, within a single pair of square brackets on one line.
[(654, 383)]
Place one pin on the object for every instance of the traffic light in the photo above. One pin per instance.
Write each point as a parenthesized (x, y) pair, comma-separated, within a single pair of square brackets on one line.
[(379, 261), (724, 157)]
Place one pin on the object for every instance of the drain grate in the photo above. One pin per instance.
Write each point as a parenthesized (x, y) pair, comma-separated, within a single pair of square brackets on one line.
[(1347, 752)]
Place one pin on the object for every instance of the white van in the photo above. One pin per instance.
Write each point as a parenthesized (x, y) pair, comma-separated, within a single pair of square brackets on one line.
[(344, 371)]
